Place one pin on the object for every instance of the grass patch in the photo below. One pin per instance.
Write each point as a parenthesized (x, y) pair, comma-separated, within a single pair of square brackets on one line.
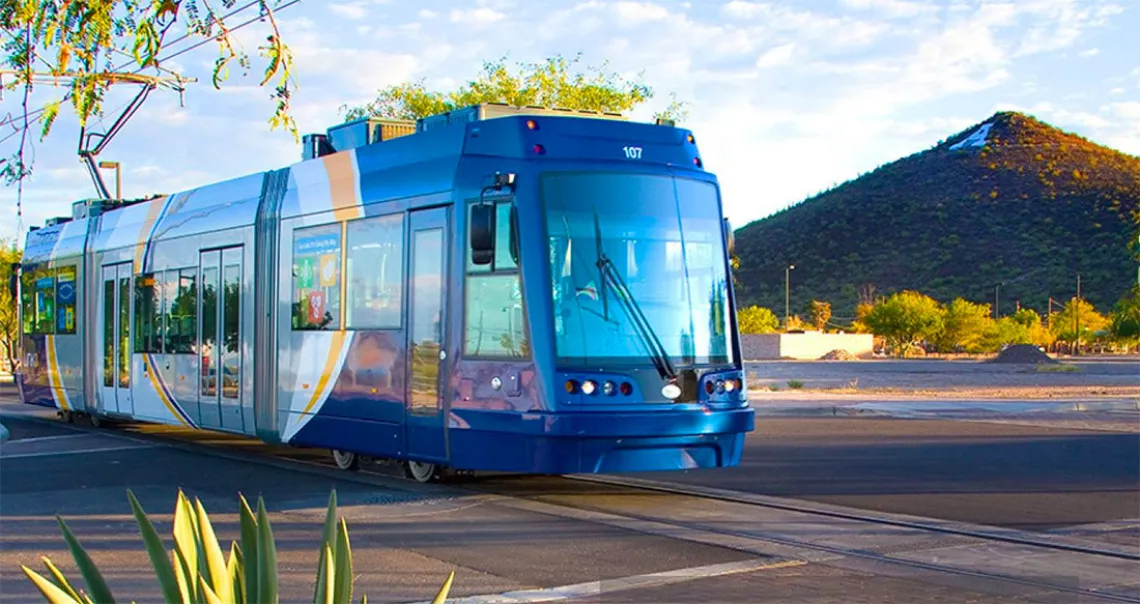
[(795, 384), (1058, 368)]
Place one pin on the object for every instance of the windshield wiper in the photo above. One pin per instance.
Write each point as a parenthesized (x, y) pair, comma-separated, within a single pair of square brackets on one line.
[(657, 351)]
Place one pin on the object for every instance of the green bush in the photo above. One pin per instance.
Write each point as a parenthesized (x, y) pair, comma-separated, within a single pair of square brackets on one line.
[(200, 573)]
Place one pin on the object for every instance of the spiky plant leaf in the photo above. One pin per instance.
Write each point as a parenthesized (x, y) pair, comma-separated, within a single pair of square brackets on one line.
[(208, 594), (327, 540), (156, 551), (267, 557), (328, 579), (250, 553), (441, 597), (186, 544), (236, 575), (343, 575), (50, 591), (186, 587), (96, 585), (60, 580), (214, 571)]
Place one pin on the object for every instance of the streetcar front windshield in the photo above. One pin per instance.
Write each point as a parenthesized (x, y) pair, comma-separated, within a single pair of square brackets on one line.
[(663, 237)]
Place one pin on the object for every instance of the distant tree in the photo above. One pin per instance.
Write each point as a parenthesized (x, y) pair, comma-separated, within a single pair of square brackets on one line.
[(550, 84), (757, 319), (1027, 317), (9, 317), (1125, 318), (1005, 330), (859, 325), (1078, 317), (964, 325), (905, 320), (820, 314)]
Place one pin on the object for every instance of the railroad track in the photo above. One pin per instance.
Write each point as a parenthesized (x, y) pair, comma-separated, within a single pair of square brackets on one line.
[(760, 540)]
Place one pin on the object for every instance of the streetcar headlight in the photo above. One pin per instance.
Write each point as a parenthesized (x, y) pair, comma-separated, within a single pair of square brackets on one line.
[(671, 391), (589, 387)]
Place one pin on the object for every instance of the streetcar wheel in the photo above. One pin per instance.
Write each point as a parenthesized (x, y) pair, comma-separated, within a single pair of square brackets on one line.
[(345, 460), (95, 421), (67, 416), (421, 471)]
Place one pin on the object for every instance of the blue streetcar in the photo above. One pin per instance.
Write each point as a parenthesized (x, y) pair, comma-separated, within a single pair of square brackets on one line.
[(493, 288)]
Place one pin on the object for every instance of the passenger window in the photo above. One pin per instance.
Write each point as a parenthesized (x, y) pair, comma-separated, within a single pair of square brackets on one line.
[(182, 323), (28, 298), (316, 277), (148, 321), (503, 258), (374, 288), (495, 324), (45, 301), (65, 300)]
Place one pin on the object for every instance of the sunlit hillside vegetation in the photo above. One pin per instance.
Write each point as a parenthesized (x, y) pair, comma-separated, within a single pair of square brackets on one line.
[(1030, 211)]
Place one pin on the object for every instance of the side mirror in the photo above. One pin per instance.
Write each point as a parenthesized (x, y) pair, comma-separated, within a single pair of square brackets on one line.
[(482, 233), (729, 237)]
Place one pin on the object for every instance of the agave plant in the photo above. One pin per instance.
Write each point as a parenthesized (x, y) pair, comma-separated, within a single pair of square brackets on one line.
[(201, 574)]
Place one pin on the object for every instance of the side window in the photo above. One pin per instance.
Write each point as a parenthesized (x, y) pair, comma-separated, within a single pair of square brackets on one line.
[(495, 324), (316, 277), (374, 289), (28, 298), (147, 319), (182, 300), (65, 300), (45, 301)]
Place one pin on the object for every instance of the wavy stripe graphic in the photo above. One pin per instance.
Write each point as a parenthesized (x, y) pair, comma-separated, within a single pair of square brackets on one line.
[(164, 394), (333, 347), (58, 392)]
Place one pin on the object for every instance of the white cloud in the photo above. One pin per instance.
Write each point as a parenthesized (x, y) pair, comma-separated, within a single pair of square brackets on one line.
[(348, 10), (636, 13), (1091, 52), (776, 56), (476, 16), (892, 8)]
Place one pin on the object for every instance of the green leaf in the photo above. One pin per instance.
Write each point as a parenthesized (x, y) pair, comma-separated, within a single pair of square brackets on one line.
[(327, 540), (250, 554), (321, 589), (157, 552), (328, 579), (208, 594), (186, 541), (267, 557), (50, 591), (184, 578), (441, 597), (96, 584), (234, 570), (343, 575), (216, 573), (60, 580)]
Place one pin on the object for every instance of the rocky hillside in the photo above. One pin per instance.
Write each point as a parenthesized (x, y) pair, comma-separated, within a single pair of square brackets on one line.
[(1010, 200)]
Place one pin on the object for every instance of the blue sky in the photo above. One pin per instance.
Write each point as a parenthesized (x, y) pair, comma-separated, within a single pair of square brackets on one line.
[(787, 98)]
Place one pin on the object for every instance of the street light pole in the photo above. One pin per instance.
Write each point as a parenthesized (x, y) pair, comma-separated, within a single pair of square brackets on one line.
[(997, 313), (787, 295)]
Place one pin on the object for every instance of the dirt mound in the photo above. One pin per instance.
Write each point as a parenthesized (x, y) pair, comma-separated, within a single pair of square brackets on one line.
[(1024, 354), (838, 355)]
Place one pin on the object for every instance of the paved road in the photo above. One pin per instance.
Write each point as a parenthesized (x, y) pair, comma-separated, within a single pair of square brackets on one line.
[(1018, 476), (405, 537)]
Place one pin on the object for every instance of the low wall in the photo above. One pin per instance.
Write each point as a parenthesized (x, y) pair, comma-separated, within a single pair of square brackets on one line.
[(805, 346)]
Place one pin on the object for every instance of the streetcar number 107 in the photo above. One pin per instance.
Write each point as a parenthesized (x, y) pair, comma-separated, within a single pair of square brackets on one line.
[(632, 152)]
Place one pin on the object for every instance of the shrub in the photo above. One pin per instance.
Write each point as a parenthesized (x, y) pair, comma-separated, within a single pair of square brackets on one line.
[(201, 574)]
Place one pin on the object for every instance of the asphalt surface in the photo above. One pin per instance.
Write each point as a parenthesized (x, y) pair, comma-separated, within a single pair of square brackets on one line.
[(405, 537)]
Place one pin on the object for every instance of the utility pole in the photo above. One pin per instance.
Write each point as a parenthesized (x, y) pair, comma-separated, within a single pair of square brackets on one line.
[(997, 287), (788, 295), (1077, 318)]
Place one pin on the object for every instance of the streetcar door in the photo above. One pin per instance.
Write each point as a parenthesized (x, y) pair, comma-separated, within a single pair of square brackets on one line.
[(425, 412), (220, 351), (115, 338)]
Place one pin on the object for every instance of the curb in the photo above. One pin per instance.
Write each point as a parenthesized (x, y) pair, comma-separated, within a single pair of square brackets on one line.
[(947, 409)]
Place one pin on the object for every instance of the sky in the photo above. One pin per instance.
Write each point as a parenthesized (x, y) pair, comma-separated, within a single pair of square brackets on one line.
[(786, 98)]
